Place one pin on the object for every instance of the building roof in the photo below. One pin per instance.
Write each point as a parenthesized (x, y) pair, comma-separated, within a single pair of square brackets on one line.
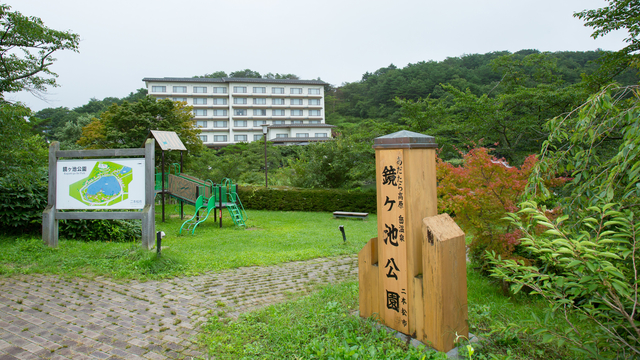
[(301, 126), (237, 80), (299, 139)]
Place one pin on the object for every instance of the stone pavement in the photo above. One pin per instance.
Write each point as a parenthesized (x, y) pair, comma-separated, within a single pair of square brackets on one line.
[(54, 317)]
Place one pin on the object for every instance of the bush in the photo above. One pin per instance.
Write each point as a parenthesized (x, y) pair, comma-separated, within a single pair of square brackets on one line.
[(101, 230), (479, 194), (257, 198), (21, 205)]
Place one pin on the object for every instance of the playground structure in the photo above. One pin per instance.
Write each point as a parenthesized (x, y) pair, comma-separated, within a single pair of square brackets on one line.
[(203, 195)]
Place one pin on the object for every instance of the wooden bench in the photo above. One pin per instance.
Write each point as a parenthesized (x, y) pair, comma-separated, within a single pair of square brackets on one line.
[(363, 216)]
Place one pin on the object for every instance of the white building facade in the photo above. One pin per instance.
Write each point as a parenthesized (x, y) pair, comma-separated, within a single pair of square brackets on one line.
[(233, 110)]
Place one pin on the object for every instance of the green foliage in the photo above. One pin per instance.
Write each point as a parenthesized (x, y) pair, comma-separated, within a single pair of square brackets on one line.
[(318, 326), (242, 162), (22, 203), (585, 260), (215, 74), (101, 230), (346, 162), (510, 116), (26, 49), (619, 15), (589, 272), (127, 126), (246, 73), (598, 145), (23, 154), (259, 198)]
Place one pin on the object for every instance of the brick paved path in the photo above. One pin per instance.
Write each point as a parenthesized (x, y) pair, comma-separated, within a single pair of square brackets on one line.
[(53, 317)]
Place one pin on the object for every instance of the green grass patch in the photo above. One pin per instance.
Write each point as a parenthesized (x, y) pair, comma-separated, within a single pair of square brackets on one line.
[(319, 326), (271, 237)]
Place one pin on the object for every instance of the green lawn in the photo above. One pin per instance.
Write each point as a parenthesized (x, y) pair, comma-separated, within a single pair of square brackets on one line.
[(270, 238)]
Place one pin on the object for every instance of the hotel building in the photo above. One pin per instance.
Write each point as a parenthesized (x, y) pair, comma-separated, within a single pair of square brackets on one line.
[(232, 110)]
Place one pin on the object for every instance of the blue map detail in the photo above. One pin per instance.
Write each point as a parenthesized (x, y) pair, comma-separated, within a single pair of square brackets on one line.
[(109, 186), (125, 170)]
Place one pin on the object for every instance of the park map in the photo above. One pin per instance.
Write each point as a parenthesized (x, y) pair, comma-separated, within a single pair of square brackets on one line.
[(106, 185)]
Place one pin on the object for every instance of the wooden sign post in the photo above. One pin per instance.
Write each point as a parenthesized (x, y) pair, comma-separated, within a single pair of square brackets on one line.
[(393, 286)]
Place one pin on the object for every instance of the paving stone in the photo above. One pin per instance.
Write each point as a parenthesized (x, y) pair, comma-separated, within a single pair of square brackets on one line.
[(103, 319)]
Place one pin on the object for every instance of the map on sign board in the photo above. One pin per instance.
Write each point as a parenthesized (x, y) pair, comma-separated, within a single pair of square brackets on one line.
[(100, 184)]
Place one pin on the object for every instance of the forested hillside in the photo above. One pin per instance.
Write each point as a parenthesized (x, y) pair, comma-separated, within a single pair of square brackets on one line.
[(373, 96)]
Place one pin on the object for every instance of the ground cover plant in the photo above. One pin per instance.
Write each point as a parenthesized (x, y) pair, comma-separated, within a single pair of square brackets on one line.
[(271, 238), (325, 325)]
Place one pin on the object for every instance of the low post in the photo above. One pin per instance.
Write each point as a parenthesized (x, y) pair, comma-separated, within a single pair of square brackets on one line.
[(393, 266)]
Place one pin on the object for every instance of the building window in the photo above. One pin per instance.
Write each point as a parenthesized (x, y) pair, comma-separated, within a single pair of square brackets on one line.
[(278, 122), (220, 101), (200, 112), (179, 89), (199, 101), (240, 138), (240, 89), (314, 101), (239, 100), (277, 101), (202, 124), (296, 122), (257, 137), (259, 112), (277, 90), (202, 90), (259, 90), (302, 135), (203, 138), (158, 89), (259, 101), (180, 99), (282, 135), (296, 101), (296, 112), (219, 112), (219, 124), (277, 112), (239, 112), (219, 90), (314, 112), (296, 90), (314, 91), (240, 123), (220, 138), (321, 135), (314, 121), (257, 123)]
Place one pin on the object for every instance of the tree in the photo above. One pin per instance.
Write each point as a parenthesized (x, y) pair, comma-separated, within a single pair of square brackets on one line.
[(215, 74), (246, 73), (281, 76), (127, 125), (619, 15), (23, 154), (26, 49)]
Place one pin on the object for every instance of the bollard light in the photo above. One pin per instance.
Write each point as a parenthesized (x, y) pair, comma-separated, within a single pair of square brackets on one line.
[(159, 236), (344, 237)]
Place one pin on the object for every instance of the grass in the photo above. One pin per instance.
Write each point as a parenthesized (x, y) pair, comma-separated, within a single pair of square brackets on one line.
[(270, 238), (324, 325), (319, 326)]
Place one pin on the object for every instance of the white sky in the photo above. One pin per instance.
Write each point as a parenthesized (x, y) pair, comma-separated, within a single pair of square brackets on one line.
[(336, 40)]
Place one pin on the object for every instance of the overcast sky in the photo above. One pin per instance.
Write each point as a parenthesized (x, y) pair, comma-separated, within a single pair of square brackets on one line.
[(336, 40)]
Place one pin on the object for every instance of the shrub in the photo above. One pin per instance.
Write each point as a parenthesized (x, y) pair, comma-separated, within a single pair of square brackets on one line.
[(101, 230), (286, 199), (479, 194), (21, 205)]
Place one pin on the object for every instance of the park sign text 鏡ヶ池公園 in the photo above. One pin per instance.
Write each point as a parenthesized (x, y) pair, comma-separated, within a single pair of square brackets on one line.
[(100, 184)]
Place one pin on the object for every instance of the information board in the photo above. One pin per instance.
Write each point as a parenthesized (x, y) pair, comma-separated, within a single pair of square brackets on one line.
[(101, 184)]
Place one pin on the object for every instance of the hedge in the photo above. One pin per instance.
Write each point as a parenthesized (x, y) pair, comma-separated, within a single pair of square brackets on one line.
[(287, 199)]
